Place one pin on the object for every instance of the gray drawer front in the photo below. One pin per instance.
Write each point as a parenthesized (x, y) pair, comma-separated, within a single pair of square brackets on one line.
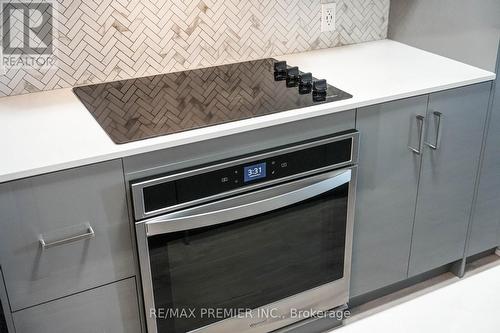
[(57, 206), (112, 308), (230, 146)]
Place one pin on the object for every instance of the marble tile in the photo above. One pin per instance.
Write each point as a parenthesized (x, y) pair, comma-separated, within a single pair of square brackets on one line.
[(105, 40)]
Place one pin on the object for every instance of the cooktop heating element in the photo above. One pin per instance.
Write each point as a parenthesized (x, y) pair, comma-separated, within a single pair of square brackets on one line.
[(146, 107)]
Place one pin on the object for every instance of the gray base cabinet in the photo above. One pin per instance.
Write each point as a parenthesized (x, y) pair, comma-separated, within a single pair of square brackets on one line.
[(386, 193), (485, 226), (111, 308), (418, 166), (81, 217), (455, 124)]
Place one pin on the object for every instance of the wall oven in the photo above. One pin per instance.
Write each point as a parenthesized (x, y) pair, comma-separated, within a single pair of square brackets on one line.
[(250, 244)]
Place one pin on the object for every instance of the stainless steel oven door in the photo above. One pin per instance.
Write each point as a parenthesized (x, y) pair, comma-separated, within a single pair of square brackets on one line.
[(250, 263)]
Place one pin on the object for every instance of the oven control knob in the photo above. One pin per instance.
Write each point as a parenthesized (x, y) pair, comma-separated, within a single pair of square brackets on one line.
[(280, 66), (280, 70), (292, 76), (319, 88), (305, 83)]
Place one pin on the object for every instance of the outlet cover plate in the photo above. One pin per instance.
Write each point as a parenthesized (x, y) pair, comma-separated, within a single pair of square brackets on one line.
[(328, 11)]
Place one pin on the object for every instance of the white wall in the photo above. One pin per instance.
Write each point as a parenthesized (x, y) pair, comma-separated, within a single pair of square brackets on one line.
[(465, 30)]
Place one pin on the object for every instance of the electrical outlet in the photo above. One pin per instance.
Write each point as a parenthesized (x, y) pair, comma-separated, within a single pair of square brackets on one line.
[(328, 16)]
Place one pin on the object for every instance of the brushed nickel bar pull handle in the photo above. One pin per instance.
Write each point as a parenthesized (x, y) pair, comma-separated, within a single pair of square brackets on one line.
[(421, 120), (247, 205), (89, 234), (439, 130)]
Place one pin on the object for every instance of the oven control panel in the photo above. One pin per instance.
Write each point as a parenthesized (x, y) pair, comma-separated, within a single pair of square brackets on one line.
[(171, 191)]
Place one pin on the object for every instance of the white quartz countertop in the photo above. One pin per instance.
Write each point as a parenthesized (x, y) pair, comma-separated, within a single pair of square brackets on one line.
[(49, 131)]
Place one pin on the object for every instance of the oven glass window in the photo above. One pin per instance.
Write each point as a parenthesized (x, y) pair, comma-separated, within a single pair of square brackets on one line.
[(205, 275)]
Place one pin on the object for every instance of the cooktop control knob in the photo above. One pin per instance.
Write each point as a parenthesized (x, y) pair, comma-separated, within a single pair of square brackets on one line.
[(305, 83), (319, 88), (292, 76), (280, 70)]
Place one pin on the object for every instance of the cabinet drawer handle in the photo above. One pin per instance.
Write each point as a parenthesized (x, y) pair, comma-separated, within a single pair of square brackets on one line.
[(89, 234), (421, 120), (439, 129)]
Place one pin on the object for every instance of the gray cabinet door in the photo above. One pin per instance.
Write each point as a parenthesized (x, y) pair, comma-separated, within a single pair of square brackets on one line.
[(55, 207), (448, 175), (386, 193), (112, 308), (485, 227)]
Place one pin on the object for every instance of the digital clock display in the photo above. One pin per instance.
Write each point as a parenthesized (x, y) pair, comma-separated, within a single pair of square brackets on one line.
[(253, 172)]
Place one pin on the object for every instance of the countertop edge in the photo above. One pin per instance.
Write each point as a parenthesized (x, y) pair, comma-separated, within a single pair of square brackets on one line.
[(222, 130)]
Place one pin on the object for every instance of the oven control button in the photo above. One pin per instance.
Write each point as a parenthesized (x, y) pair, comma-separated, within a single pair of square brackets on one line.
[(319, 86), (292, 77), (305, 83), (280, 66), (319, 89), (280, 70)]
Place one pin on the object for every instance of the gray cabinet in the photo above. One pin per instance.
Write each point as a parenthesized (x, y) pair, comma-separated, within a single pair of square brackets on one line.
[(485, 225), (68, 205), (111, 308), (386, 192), (455, 123), (413, 207)]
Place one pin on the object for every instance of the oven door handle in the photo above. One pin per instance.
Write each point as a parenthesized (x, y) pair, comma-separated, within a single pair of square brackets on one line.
[(247, 205)]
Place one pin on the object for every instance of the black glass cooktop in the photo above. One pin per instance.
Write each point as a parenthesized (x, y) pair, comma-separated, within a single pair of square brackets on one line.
[(141, 108)]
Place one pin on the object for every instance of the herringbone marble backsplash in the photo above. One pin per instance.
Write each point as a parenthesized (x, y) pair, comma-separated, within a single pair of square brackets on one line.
[(106, 40)]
